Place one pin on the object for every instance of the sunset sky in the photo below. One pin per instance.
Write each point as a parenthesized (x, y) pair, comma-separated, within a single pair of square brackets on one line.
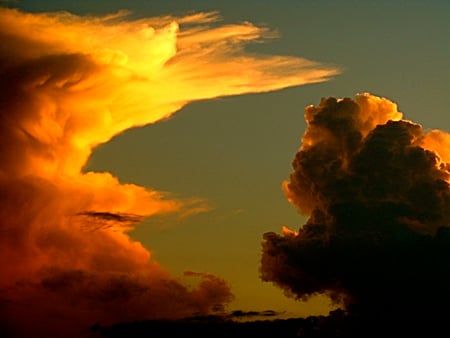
[(197, 121)]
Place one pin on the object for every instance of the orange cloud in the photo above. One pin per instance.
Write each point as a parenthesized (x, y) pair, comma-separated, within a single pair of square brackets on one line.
[(67, 84)]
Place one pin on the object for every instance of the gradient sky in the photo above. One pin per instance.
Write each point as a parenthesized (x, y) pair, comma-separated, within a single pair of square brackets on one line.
[(236, 151)]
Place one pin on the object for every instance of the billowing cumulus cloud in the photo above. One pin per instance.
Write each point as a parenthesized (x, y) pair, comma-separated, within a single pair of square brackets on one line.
[(67, 84), (376, 189)]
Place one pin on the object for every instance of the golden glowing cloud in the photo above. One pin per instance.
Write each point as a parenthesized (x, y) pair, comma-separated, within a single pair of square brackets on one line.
[(438, 142), (69, 83)]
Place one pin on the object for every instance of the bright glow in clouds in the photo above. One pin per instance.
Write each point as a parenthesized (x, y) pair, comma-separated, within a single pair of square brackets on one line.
[(67, 84)]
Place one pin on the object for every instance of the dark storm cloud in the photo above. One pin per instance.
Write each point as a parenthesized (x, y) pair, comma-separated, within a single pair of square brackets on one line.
[(378, 236)]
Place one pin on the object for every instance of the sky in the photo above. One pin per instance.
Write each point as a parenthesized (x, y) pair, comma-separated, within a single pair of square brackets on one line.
[(175, 145)]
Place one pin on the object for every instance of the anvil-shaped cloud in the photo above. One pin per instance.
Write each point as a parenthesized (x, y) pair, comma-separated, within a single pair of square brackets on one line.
[(67, 84)]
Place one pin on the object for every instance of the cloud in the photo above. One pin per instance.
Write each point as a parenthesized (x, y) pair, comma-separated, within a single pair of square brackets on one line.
[(67, 84), (376, 189)]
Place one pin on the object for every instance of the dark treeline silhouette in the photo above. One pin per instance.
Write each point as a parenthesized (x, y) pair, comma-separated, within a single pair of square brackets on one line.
[(337, 324)]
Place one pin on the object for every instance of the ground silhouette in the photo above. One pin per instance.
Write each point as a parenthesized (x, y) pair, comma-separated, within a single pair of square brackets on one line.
[(337, 324)]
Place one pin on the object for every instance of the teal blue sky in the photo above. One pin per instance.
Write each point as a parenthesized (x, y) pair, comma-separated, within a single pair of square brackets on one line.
[(236, 151)]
